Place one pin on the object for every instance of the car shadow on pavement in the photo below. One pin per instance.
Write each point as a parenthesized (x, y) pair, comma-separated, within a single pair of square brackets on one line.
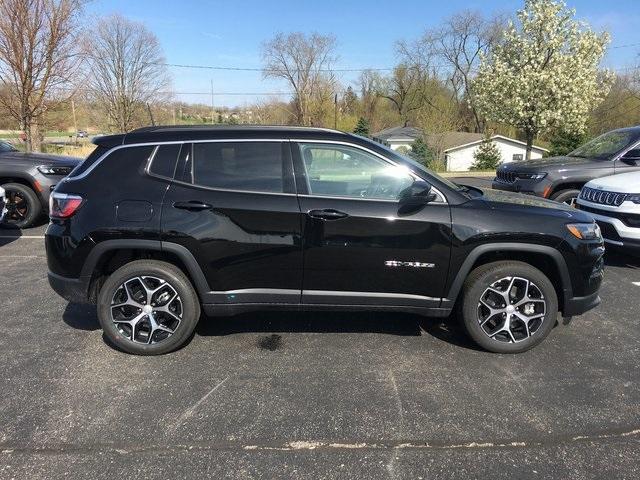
[(401, 324), (9, 235), (84, 317), (81, 317)]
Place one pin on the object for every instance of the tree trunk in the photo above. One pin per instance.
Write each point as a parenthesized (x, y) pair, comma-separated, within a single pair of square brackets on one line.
[(33, 140), (530, 136)]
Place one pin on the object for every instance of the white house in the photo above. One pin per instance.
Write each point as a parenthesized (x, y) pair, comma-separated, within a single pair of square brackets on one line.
[(457, 147)]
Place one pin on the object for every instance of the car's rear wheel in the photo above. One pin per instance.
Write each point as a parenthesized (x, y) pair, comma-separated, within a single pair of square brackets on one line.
[(22, 205), (148, 307), (566, 196), (508, 306)]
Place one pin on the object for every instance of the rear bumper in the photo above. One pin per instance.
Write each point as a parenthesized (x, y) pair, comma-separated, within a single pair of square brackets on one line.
[(580, 305), (73, 290)]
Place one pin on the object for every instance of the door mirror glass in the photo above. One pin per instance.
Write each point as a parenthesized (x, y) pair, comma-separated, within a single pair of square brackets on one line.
[(632, 156)]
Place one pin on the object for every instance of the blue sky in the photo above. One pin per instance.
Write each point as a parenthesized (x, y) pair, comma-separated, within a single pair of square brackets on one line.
[(230, 33)]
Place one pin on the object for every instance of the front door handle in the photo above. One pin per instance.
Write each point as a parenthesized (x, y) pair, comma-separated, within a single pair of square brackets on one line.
[(327, 214), (192, 206)]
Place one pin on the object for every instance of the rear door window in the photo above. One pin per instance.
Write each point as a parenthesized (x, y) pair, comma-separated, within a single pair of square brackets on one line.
[(245, 166)]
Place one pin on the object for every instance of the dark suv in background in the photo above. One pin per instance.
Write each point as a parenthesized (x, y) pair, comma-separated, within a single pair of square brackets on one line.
[(233, 219), (27, 179), (562, 178)]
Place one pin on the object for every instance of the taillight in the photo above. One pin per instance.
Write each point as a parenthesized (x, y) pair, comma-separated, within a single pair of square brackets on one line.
[(63, 205)]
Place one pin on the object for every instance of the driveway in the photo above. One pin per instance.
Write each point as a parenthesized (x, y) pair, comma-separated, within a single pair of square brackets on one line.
[(313, 396)]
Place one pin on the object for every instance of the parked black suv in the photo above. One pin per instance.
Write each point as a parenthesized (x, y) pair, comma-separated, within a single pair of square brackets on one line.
[(27, 179), (562, 178), (161, 222)]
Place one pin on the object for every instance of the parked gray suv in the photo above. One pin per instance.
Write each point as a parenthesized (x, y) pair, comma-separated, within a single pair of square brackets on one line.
[(562, 178)]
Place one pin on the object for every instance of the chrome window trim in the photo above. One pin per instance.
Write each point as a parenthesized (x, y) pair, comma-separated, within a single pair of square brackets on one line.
[(442, 199)]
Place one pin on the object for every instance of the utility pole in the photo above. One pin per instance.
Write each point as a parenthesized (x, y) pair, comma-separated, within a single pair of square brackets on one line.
[(212, 109), (335, 112), (75, 122)]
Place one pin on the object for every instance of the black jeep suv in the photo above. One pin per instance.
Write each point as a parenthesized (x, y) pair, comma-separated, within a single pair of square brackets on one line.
[(162, 222), (562, 178), (27, 179)]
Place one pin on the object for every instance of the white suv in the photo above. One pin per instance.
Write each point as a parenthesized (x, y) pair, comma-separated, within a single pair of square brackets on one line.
[(615, 204)]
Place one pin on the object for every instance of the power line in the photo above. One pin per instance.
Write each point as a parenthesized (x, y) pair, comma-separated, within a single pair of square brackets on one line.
[(625, 46), (255, 69)]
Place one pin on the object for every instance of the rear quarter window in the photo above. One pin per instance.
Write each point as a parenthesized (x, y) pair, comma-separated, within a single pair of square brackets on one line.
[(163, 163), (94, 156)]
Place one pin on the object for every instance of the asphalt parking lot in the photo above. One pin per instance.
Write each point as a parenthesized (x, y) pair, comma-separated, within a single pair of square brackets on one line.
[(291, 395)]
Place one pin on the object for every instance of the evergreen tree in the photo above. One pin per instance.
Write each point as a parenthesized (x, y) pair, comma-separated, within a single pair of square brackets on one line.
[(487, 155), (565, 142), (421, 152), (362, 127)]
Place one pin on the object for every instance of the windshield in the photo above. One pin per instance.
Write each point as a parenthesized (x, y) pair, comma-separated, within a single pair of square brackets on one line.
[(6, 147), (605, 146), (419, 166)]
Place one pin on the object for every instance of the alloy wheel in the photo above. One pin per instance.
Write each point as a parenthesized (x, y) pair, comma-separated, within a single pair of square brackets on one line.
[(17, 207), (511, 310), (146, 309)]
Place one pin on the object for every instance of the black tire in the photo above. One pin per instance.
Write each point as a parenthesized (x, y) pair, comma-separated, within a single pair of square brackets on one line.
[(565, 196), (471, 310), (186, 296), (26, 211)]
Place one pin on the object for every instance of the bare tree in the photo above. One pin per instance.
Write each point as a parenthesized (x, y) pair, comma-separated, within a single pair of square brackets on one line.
[(304, 61), (127, 70), (370, 85), (454, 50), (405, 89), (38, 56)]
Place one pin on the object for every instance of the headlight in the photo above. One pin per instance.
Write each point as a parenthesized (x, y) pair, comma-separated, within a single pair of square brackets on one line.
[(634, 197), (585, 231), (51, 170), (531, 176)]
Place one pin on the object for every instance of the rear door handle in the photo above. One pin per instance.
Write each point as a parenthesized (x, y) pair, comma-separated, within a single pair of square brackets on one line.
[(327, 214), (192, 206)]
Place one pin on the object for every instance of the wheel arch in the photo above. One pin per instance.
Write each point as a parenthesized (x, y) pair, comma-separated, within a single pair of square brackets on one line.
[(547, 259), (109, 255)]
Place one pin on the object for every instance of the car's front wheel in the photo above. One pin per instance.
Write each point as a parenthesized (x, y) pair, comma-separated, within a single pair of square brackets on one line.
[(148, 307), (508, 306), (566, 196)]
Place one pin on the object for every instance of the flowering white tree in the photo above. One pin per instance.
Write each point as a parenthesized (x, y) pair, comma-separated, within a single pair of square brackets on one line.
[(544, 73)]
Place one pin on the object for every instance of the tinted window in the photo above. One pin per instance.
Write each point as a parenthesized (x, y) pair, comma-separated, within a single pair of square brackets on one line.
[(253, 166), (90, 160), (6, 147), (336, 170), (164, 160)]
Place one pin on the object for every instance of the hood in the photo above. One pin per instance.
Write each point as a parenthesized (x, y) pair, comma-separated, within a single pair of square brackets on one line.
[(22, 158), (499, 199), (553, 163), (622, 183)]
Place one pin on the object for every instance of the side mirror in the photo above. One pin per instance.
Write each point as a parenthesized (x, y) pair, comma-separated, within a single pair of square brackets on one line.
[(416, 196), (632, 157)]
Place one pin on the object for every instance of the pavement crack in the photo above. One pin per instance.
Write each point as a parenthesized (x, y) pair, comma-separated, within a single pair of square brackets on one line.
[(7, 448)]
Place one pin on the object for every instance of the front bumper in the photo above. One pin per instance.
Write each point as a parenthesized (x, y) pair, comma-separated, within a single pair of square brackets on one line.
[(614, 230), (528, 187), (73, 290)]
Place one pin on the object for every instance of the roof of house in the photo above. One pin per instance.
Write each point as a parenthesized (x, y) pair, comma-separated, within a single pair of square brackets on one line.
[(398, 133)]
